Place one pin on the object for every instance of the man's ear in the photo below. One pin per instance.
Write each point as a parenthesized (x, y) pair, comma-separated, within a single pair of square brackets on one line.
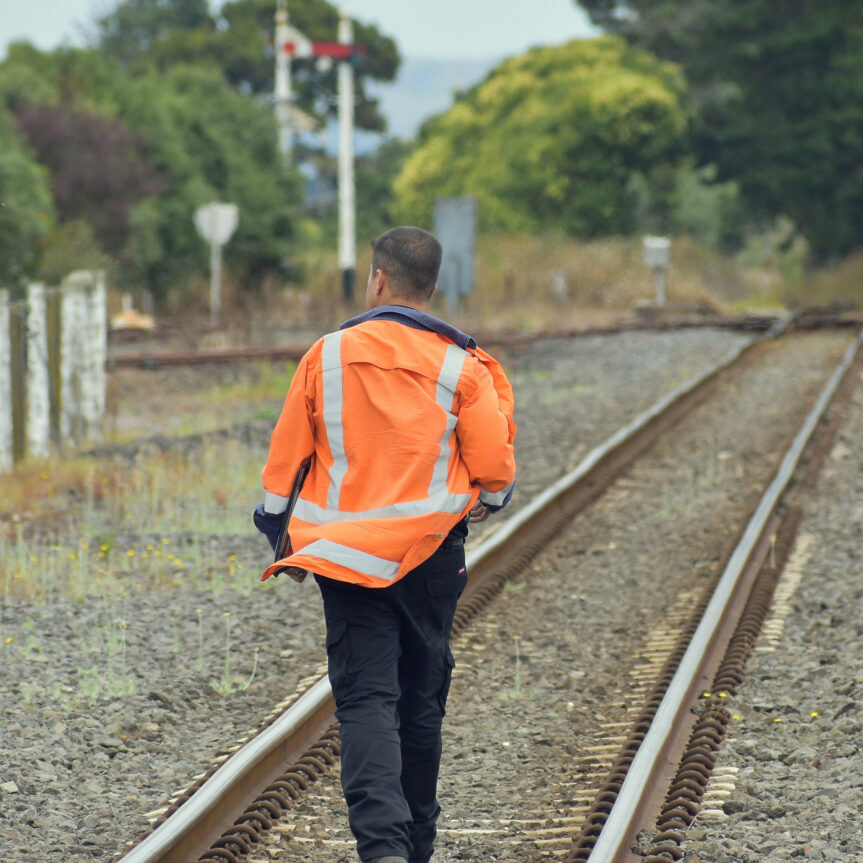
[(379, 283)]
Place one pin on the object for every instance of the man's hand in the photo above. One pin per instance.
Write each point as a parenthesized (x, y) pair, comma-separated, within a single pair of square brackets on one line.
[(294, 572), (479, 512), (297, 574)]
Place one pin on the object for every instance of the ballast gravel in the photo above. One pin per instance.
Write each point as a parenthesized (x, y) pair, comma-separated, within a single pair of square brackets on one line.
[(549, 680), (78, 774), (790, 775)]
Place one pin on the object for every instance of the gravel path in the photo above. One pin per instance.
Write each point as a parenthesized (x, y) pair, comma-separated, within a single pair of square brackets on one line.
[(99, 723)]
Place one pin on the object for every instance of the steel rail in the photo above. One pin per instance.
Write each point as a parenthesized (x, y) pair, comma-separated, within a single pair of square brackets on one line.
[(752, 323), (650, 761), (179, 837), (191, 828)]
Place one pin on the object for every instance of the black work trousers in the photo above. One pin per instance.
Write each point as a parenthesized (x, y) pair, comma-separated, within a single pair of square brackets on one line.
[(390, 667)]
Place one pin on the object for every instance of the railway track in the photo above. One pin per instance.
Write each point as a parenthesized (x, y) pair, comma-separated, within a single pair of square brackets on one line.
[(147, 358), (293, 751)]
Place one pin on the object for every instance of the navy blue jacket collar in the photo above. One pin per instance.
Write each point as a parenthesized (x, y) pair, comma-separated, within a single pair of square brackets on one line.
[(416, 319)]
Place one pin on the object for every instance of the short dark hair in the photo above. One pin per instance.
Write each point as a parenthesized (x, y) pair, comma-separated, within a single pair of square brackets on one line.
[(411, 259)]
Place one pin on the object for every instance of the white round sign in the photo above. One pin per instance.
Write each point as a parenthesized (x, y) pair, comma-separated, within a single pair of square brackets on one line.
[(216, 222)]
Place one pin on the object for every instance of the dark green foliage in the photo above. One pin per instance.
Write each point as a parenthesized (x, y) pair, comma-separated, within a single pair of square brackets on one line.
[(163, 33), (26, 212), (98, 168), (211, 143), (778, 95), (135, 27), (169, 113)]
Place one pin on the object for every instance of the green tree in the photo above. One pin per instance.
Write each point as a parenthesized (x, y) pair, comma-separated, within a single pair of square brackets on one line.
[(778, 96), (240, 40), (135, 27), (552, 140), (210, 143), (188, 127), (98, 168), (26, 212)]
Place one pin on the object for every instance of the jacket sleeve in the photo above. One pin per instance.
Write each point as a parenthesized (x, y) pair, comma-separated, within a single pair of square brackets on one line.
[(292, 441), (486, 432)]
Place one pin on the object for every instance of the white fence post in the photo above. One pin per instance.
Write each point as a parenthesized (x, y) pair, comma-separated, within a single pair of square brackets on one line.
[(38, 423), (6, 445), (95, 345), (73, 310), (83, 351)]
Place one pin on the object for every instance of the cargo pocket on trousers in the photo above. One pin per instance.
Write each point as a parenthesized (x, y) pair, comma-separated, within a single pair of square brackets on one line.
[(449, 661), (446, 584), (338, 653)]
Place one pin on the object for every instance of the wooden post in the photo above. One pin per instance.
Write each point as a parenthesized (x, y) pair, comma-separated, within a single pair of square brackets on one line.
[(53, 317), (18, 364), (6, 430)]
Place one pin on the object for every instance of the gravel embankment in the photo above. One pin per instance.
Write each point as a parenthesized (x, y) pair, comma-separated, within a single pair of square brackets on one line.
[(77, 775)]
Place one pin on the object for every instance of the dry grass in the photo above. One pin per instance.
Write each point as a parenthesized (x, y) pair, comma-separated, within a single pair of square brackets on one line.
[(839, 283), (521, 283)]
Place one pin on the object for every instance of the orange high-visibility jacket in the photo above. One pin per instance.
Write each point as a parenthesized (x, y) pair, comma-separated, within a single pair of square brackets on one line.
[(405, 430)]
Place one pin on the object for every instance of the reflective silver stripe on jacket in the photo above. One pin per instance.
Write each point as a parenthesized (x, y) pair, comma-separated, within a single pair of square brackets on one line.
[(495, 498), (440, 501), (358, 561), (331, 362), (439, 498), (447, 383), (275, 503)]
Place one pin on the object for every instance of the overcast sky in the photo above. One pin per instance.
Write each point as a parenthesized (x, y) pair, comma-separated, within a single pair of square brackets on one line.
[(440, 29)]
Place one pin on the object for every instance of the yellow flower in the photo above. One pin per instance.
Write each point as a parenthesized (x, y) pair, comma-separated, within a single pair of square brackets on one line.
[(9, 640), (722, 694), (131, 552), (778, 719), (814, 713)]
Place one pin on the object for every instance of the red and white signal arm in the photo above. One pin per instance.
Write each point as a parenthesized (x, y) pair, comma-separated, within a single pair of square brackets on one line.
[(299, 47), (295, 43)]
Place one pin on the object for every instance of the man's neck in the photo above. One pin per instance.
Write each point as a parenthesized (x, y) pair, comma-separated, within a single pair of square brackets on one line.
[(401, 301)]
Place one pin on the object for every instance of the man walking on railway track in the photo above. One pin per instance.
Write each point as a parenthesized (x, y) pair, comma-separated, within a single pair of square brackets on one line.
[(407, 427)]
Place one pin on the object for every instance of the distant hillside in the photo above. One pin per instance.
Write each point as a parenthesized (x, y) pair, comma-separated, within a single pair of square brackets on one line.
[(426, 87), (423, 88)]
